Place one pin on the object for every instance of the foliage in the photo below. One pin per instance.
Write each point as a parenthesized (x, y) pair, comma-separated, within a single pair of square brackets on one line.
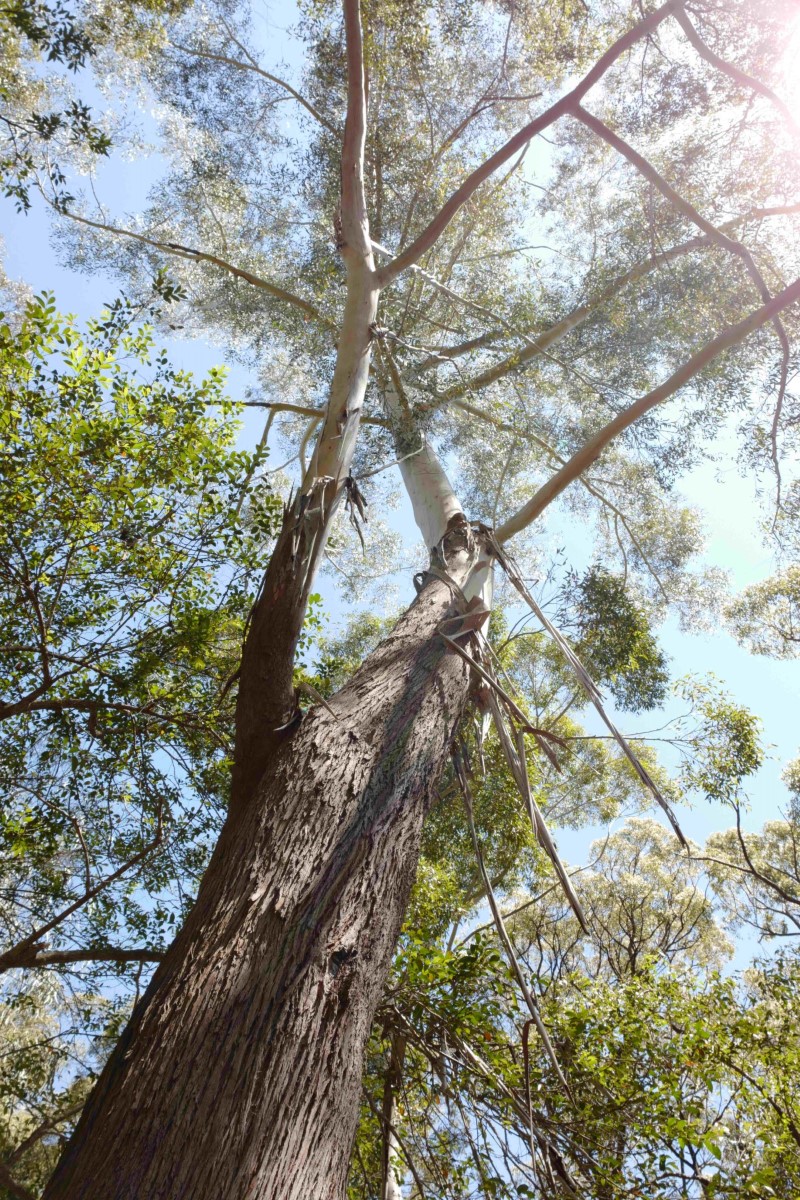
[(726, 742), (33, 28), (757, 875), (679, 1080), (616, 642), (37, 137), (766, 616), (126, 578)]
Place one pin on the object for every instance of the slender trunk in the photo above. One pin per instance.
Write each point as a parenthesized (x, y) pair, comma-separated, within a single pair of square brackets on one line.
[(239, 1075), (392, 1162)]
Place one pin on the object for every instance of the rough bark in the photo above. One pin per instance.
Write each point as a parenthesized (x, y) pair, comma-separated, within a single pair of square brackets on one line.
[(239, 1075)]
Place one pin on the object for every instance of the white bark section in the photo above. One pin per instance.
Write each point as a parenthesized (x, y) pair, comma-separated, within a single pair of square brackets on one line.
[(334, 450), (432, 498), (395, 1170), (481, 582)]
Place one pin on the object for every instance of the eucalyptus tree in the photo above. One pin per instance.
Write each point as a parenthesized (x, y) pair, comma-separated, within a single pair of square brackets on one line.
[(508, 246)]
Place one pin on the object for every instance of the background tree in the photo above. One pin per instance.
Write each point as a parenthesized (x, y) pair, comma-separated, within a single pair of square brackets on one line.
[(126, 581)]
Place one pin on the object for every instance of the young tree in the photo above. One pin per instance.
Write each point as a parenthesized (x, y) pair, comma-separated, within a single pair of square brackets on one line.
[(239, 1073)]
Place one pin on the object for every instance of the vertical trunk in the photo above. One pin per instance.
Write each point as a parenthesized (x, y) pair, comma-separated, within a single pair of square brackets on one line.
[(391, 1164), (436, 506), (239, 1074)]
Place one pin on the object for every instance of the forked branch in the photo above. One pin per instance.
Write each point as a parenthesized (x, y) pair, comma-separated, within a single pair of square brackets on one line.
[(253, 66), (431, 233), (733, 72), (581, 313), (679, 203), (683, 206), (591, 451)]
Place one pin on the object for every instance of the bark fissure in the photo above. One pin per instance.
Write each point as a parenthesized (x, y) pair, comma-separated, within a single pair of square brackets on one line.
[(254, 1026)]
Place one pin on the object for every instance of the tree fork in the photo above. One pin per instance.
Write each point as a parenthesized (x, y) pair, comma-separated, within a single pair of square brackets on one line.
[(239, 1074)]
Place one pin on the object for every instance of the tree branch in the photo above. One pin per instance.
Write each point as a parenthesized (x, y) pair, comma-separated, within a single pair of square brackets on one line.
[(179, 251), (676, 200), (434, 503), (256, 69), (565, 105), (688, 210), (40, 1131), (12, 1187), (33, 956), (787, 897), (567, 323), (266, 703), (505, 940), (733, 72), (281, 406), (9, 959), (581, 312), (732, 336), (88, 704)]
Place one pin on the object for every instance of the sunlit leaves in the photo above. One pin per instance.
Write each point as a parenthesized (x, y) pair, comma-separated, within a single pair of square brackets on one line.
[(126, 577), (726, 743), (766, 616), (615, 640)]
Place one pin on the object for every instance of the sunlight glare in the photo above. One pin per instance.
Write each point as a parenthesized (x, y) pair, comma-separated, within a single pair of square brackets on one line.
[(790, 71)]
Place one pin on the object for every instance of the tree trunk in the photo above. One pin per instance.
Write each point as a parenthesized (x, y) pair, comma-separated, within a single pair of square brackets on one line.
[(391, 1161), (239, 1074)]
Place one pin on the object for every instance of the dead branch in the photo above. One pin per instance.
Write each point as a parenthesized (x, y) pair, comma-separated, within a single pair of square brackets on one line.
[(588, 685)]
